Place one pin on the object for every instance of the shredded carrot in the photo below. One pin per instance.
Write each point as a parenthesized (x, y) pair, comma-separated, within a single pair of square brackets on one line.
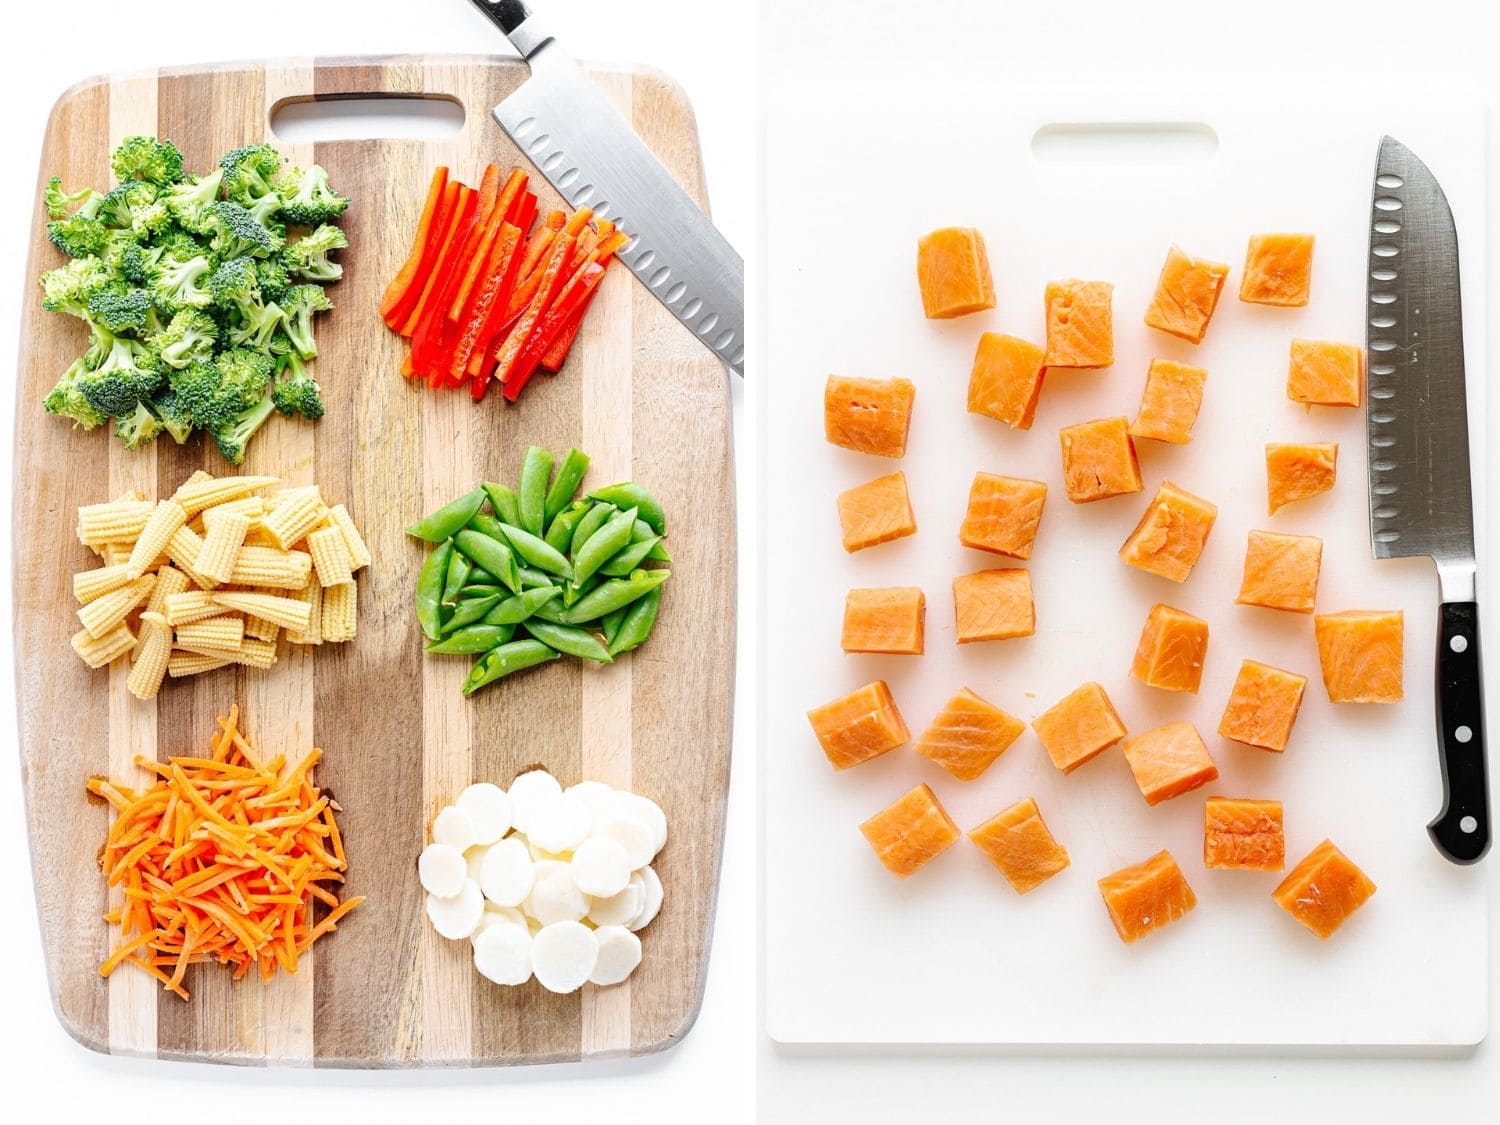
[(221, 859)]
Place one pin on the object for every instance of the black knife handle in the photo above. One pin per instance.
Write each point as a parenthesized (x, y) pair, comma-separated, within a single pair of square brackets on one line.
[(1462, 830), (511, 17)]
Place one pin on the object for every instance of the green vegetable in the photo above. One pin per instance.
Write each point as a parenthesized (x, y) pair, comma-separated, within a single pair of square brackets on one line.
[(486, 524), (305, 199), (536, 551), (609, 624), (296, 392), (473, 638), (430, 590), (603, 545), (514, 610), (569, 639), (631, 495), (506, 659), (447, 520), (637, 624), (566, 481), (629, 558), (491, 555), (503, 501), (613, 594), (459, 568), (470, 611), (560, 529), (536, 467), (532, 578), (593, 520), (482, 589)]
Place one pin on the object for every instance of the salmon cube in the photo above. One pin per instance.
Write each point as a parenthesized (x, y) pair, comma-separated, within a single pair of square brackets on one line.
[(968, 734), (1323, 890), (1006, 379), (1018, 843), (1244, 834), (1147, 896), (1099, 460), (868, 415), (1171, 650), (1262, 706), (1170, 402), (993, 605), (862, 725), (910, 833), (1361, 654), (876, 512), (1080, 324), (884, 619), (953, 272), (1281, 571), (1003, 515), (1325, 374), (1278, 270), (1079, 727), (1297, 470), (1171, 535), (1169, 761), (1186, 294)]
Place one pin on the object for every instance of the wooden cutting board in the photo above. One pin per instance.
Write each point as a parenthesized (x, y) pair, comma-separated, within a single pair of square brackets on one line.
[(399, 741)]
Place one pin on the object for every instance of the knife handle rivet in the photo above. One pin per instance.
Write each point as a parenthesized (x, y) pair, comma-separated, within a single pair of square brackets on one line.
[(1463, 734), (1458, 643), (1467, 825)]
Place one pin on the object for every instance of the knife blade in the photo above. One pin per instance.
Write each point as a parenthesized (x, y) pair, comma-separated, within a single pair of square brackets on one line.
[(567, 128), (1417, 428)]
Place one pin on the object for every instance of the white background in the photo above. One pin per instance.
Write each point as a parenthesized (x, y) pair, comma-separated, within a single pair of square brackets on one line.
[(947, 40), (707, 1077)]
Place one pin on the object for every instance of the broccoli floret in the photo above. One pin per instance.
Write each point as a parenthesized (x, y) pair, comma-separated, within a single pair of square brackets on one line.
[(68, 288), (66, 399), (213, 395), (121, 207), (306, 199), (139, 427), (78, 236), (180, 244), (190, 336), (176, 285), (191, 201), (124, 375), (237, 232), (233, 438), (233, 287), (249, 172), (174, 416), (57, 200), (308, 256), (258, 329), (119, 307), (146, 158), (125, 256), (273, 279), (300, 303), (280, 346), (244, 374), (296, 392)]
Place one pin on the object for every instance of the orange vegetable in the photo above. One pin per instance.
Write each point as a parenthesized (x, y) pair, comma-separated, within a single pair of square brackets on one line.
[(459, 222), (1243, 834), (1099, 460), (1361, 654), (993, 605), (886, 619), (1079, 727), (1169, 761), (1281, 571), (953, 273), (551, 278), (868, 415), (1171, 650), (967, 736), (1262, 706), (910, 833), (1170, 402), (1171, 534), (1006, 379), (1147, 896), (876, 512), (1080, 327), (1278, 270), (1003, 515), (1325, 374), (862, 725), (1323, 890), (1018, 843), (1296, 470), (407, 275), (1186, 294)]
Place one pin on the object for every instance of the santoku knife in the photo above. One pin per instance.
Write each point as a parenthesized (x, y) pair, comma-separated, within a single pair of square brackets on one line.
[(1418, 431), (569, 130)]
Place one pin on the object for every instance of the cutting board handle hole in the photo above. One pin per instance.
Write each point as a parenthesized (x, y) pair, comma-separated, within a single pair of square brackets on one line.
[(1102, 143), (358, 117)]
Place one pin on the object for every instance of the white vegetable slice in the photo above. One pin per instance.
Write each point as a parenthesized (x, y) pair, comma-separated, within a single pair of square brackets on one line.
[(633, 834), (620, 909), (601, 867), (526, 792), (563, 955), (559, 824), (489, 808), (499, 916), (454, 828), (595, 794), (619, 954), (503, 954), (554, 897), (641, 808), (459, 915), (474, 858), (507, 874), (441, 870), (652, 904)]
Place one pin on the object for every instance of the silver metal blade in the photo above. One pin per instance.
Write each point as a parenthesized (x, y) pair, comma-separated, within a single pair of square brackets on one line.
[(1417, 425), (568, 129)]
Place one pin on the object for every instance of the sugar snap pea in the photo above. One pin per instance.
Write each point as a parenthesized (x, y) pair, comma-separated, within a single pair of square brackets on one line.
[(503, 501), (459, 569), (639, 620), (442, 523), (566, 481), (535, 551), (604, 544), (470, 611), (482, 589), (486, 524), (531, 577), (472, 639), (573, 592), (628, 494), (569, 639), (551, 611), (514, 610), (609, 624), (591, 522), (560, 530), (629, 558), (536, 467), (429, 596), (613, 594), (644, 530), (506, 659), (492, 555)]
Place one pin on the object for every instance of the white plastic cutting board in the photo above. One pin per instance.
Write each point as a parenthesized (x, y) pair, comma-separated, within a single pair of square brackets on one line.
[(953, 954)]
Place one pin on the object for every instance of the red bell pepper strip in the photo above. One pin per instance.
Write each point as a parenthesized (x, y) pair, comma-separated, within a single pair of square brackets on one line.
[(447, 210), (476, 267), (552, 279), (463, 210), (532, 277), (435, 303), (500, 274), (408, 272), (610, 243), (571, 300)]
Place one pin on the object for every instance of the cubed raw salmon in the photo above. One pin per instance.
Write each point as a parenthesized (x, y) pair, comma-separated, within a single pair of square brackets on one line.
[(1079, 727), (868, 415), (1278, 270), (1170, 402), (1262, 706), (993, 605), (1147, 896), (1323, 373), (884, 619), (1171, 650), (862, 725), (1186, 294), (1099, 460), (1018, 843), (1244, 834), (953, 272), (1169, 761), (1281, 571), (1003, 515), (910, 833), (1297, 470), (876, 512), (1080, 324), (967, 736), (1323, 890), (1171, 535), (1006, 379), (1360, 651)]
